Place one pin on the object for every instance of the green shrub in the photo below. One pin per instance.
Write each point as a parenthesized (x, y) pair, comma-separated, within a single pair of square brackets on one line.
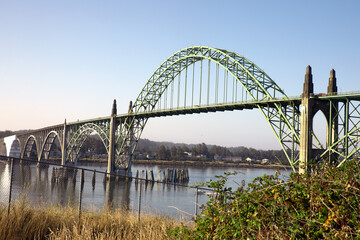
[(322, 205)]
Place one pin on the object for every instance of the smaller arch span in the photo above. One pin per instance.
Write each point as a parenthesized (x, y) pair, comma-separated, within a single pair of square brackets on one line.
[(48, 144), (30, 147), (12, 146), (79, 137)]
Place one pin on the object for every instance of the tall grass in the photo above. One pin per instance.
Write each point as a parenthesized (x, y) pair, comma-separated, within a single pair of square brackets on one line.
[(53, 222)]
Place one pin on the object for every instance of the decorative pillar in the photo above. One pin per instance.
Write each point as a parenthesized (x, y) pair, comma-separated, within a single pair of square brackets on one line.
[(111, 153), (63, 150), (306, 123), (332, 127)]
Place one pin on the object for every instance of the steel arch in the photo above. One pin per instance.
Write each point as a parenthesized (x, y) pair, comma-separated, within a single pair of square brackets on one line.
[(252, 78), (81, 135), (48, 143), (284, 120), (28, 147)]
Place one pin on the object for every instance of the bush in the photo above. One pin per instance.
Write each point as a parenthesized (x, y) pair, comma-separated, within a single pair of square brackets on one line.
[(325, 205)]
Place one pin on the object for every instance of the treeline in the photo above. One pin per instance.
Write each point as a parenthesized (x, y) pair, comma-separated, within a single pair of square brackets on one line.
[(93, 146), (177, 152), (9, 133)]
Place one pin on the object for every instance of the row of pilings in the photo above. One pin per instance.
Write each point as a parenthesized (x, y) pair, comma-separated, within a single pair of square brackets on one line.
[(61, 174), (169, 175)]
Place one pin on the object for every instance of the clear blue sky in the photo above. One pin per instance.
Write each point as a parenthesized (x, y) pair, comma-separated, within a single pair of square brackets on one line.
[(70, 59)]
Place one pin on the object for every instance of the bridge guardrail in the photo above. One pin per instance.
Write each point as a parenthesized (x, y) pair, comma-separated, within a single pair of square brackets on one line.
[(343, 93), (220, 104)]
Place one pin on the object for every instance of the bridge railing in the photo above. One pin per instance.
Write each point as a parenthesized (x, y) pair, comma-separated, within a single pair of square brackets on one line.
[(94, 189), (344, 93), (160, 107)]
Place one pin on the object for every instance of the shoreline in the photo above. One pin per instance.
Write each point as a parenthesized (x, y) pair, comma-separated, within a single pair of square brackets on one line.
[(208, 164), (187, 163)]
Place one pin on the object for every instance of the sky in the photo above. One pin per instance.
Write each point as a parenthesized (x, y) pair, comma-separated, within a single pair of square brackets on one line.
[(69, 59)]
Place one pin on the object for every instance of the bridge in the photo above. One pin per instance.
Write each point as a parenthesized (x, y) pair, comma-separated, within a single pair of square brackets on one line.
[(203, 79)]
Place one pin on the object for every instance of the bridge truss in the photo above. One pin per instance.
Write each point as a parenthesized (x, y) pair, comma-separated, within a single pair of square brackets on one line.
[(247, 83), (344, 142), (198, 80)]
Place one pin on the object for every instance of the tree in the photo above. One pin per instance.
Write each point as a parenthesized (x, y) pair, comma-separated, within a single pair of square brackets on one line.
[(163, 153)]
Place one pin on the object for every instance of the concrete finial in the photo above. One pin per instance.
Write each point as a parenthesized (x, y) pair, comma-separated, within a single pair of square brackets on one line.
[(332, 73), (114, 110), (332, 87), (308, 84), (130, 107), (308, 69)]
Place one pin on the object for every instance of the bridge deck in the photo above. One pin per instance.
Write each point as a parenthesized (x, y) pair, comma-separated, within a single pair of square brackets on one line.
[(214, 108), (218, 108)]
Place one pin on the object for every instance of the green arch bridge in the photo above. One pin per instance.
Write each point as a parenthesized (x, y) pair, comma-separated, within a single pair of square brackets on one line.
[(203, 79)]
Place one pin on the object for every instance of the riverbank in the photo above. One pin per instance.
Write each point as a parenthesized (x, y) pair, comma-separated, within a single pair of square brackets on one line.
[(54, 222), (209, 164), (189, 163)]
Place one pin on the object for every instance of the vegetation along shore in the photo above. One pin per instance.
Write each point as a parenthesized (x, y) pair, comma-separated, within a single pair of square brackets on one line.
[(323, 204)]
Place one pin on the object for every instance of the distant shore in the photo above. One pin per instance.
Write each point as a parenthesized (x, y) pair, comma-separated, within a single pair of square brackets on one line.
[(189, 163), (185, 163), (210, 164)]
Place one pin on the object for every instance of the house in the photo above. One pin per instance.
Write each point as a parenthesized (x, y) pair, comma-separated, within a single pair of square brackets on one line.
[(265, 161), (188, 154)]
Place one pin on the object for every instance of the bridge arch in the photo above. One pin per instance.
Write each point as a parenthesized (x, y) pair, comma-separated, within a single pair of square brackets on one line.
[(319, 138), (254, 80), (30, 147), (15, 148), (79, 137), (10, 146), (256, 83), (47, 145)]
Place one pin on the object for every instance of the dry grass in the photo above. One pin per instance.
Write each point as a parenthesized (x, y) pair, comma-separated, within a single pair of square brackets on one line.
[(52, 222)]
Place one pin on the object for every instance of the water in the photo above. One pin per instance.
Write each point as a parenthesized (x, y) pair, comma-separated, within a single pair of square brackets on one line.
[(158, 198)]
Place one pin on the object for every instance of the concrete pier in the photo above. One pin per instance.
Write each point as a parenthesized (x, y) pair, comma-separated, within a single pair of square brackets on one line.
[(111, 154), (306, 122), (332, 119)]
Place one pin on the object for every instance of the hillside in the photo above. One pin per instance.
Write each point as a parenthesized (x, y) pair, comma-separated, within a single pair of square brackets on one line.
[(147, 149)]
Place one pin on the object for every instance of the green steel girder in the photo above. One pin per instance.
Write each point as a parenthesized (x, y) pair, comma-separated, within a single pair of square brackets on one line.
[(80, 132), (259, 87), (347, 144)]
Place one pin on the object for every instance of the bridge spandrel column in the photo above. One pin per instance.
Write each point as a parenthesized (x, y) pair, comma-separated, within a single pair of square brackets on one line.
[(306, 123), (64, 146), (111, 153)]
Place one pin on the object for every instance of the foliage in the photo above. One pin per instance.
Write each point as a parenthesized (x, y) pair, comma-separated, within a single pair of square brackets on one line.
[(180, 152), (26, 221), (322, 205)]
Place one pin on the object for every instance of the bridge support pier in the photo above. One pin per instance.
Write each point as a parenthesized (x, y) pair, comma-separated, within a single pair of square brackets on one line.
[(111, 154), (332, 128), (306, 123), (63, 155)]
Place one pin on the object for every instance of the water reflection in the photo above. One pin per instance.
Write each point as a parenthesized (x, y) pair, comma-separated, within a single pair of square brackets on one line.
[(56, 185), (4, 181), (114, 188), (50, 184)]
